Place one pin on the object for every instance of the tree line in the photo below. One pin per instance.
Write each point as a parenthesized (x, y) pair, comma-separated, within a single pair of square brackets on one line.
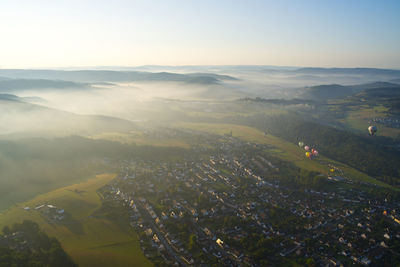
[(25, 244)]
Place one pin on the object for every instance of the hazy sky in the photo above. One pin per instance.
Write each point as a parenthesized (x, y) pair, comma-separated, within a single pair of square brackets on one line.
[(59, 33)]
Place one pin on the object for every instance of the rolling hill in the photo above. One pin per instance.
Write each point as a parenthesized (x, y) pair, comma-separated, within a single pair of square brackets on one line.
[(26, 119)]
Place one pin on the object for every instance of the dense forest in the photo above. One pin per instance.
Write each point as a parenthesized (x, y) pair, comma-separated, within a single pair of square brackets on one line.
[(25, 244)]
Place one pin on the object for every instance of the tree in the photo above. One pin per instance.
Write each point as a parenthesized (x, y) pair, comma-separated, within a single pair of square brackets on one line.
[(192, 242), (6, 230)]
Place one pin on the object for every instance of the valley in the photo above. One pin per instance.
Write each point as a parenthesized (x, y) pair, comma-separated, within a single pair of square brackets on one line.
[(194, 179)]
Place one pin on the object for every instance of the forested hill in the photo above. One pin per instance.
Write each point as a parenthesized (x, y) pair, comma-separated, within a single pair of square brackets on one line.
[(26, 245), (330, 91), (370, 154), (323, 92)]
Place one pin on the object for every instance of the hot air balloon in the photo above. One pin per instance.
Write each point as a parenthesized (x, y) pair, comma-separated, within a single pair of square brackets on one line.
[(308, 154), (301, 144), (372, 129), (314, 152), (307, 148)]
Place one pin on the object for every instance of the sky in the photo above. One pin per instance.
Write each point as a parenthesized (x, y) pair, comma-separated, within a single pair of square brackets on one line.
[(84, 33)]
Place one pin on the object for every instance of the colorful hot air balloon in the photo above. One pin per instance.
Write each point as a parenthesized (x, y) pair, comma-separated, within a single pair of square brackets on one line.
[(308, 154), (372, 129), (301, 144), (314, 152), (307, 148)]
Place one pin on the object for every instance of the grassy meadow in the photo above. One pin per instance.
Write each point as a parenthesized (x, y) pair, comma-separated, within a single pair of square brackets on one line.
[(359, 119)]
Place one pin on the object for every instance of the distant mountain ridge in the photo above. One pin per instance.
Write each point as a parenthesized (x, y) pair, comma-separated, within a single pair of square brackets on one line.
[(360, 71), (92, 76), (9, 85), (9, 97), (28, 99)]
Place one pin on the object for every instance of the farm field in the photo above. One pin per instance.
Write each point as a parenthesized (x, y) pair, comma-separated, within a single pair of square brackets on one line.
[(90, 238)]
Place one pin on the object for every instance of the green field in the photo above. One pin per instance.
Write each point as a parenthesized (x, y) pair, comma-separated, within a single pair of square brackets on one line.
[(281, 148), (90, 240), (358, 119)]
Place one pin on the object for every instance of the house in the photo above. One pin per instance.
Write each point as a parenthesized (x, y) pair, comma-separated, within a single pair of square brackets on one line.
[(39, 207), (365, 261), (148, 231)]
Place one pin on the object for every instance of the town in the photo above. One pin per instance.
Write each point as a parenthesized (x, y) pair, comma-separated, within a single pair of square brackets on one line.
[(393, 122), (231, 203)]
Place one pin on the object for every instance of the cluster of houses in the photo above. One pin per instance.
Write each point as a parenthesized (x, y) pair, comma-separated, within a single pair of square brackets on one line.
[(391, 122), (224, 198), (49, 211), (15, 241)]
